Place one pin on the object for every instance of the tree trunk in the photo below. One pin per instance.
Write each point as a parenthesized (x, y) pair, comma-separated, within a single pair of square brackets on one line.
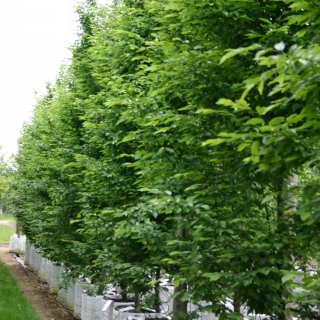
[(286, 201), (236, 304), (137, 299), (157, 300), (290, 199), (180, 308), (18, 232)]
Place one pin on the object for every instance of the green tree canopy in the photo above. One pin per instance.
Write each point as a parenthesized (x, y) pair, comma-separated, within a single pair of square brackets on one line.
[(171, 143)]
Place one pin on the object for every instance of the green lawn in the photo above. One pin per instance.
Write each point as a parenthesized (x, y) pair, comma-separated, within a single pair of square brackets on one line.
[(13, 304), (9, 217), (5, 233)]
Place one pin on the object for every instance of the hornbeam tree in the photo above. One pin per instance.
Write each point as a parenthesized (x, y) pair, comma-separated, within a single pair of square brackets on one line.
[(167, 147)]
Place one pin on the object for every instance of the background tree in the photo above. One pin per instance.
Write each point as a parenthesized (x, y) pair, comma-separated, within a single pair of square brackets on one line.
[(6, 173)]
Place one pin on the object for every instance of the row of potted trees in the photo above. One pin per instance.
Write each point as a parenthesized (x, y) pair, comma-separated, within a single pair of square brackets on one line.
[(80, 295)]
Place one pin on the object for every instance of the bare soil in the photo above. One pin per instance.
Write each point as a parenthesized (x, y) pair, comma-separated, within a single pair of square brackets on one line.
[(47, 307)]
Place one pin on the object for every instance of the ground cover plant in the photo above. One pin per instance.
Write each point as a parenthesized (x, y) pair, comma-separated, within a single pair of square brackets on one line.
[(13, 304)]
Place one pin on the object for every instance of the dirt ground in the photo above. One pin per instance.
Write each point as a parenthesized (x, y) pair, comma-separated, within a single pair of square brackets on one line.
[(44, 303)]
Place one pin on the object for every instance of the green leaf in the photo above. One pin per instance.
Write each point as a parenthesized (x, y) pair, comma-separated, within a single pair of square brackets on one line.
[(213, 142), (264, 110), (301, 33), (242, 146), (250, 83), (165, 129), (287, 277), (234, 52), (255, 147), (254, 121), (261, 86), (265, 20), (212, 276), (129, 137), (238, 105), (205, 111), (176, 282), (305, 215), (225, 102), (231, 135), (267, 198), (174, 253), (276, 121), (295, 118)]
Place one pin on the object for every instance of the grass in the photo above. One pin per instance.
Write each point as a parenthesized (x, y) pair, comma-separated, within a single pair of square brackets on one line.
[(9, 217), (13, 304), (5, 234), (6, 231)]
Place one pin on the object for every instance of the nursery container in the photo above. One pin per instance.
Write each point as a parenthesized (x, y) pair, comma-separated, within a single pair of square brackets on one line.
[(202, 315), (109, 312), (81, 284), (31, 257), (36, 261), (166, 302), (17, 244), (44, 270), (62, 295), (62, 292), (128, 313), (70, 295), (91, 307), (54, 278), (27, 255)]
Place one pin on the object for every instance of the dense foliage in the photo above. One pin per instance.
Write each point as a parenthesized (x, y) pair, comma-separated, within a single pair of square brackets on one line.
[(6, 173), (173, 143)]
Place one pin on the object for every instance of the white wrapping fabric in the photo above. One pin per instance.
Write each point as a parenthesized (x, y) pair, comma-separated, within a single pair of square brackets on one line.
[(17, 244), (91, 307), (54, 278), (80, 286), (70, 296)]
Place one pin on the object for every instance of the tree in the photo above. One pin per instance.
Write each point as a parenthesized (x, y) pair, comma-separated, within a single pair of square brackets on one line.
[(281, 129), (144, 142), (6, 172)]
